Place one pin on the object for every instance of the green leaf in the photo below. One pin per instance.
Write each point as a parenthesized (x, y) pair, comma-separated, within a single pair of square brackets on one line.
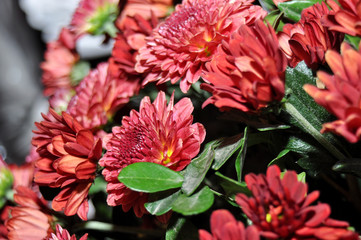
[(180, 228), (279, 156), (267, 4), (78, 72), (232, 187), (301, 177), (198, 168), (149, 177), (304, 112), (275, 19), (226, 149), (292, 9), (160, 203), (351, 165), (195, 204), (241, 155)]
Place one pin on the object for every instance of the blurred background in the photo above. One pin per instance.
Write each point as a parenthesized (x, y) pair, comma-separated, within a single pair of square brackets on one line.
[(25, 28)]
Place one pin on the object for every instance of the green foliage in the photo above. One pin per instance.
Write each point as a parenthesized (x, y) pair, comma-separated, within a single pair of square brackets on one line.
[(160, 203), (79, 71), (351, 165), (197, 169), (149, 177), (293, 9), (181, 228), (195, 204)]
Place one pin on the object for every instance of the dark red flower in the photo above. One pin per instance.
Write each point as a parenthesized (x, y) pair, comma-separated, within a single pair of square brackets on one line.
[(309, 39), (68, 158), (181, 45), (248, 71), (225, 227), (126, 46), (63, 234), (280, 208), (345, 18), (158, 133), (342, 94)]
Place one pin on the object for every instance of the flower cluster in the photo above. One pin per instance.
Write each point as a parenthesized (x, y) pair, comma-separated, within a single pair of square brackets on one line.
[(191, 116)]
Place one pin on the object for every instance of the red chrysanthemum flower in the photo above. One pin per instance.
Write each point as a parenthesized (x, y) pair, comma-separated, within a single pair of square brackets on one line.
[(31, 219), (309, 39), (68, 158), (345, 19), (181, 45), (225, 227), (99, 96), (157, 133), (60, 57), (280, 209), (126, 46), (248, 71), (95, 17), (63, 234), (342, 94), (145, 8)]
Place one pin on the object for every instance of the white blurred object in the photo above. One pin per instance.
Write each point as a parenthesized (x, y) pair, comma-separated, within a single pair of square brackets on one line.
[(49, 16)]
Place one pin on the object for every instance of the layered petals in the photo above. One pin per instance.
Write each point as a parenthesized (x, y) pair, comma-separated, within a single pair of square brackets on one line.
[(31, 218), (280, 208), (346, 18), (68, 159), (309, 39), (99, 96), (60, 57), (225, 227), (248, 71), (181, 45), (63, 234), (158, 133), (342, 94)]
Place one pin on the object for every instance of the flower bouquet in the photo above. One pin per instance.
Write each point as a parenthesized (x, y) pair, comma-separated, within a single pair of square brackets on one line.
[(210, 119)]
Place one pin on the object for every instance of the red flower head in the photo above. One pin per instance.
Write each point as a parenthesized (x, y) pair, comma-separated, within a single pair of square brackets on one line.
[(182, 44), (157, 133), (342, 94), (248, 71), (126, 46), (146, 9), (309, 39), (30, 219), (98, 97), (60, 57), (280, 209), (68, 160), (225, 227), (345, 19), (63, 234), (95, 17)]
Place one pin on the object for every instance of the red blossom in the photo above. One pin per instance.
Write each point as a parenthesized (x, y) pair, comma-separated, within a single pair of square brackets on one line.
[(248, 71), (342, 94), (68, 159), (99, 96), (30, 219), (158, 133), (309, 39), (60, 57), (280, 208), (345, 18), (63, 234), (181, 45), (225, 227)]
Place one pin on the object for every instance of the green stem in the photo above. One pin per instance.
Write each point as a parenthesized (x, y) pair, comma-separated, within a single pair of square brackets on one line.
[(313, 131), (108, 227)]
